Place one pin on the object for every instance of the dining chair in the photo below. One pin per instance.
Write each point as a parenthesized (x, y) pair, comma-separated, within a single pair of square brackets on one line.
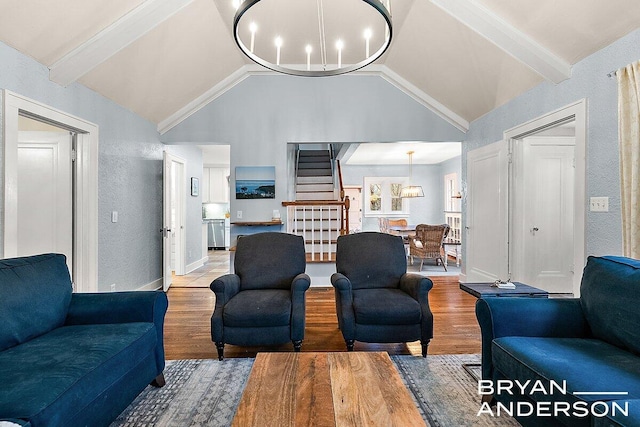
[(427, 243)]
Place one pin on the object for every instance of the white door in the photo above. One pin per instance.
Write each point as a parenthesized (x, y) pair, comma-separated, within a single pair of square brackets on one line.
[(487, 214), (355, 208), (173, 216), (547, 196), (44, 194)]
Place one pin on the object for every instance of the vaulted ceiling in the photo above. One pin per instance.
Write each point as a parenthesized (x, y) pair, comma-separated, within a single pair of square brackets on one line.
[(164, 58)]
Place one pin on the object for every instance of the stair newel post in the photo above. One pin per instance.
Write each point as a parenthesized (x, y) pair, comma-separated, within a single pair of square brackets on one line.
[(347, 205)]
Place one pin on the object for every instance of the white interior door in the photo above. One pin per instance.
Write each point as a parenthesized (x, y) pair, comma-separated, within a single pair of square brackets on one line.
[(44, 194), (487, 214), (173, 217), (355, 208), (544, 239)]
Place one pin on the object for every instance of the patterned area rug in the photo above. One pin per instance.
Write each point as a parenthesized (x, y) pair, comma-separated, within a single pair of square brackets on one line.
[(207, 392)]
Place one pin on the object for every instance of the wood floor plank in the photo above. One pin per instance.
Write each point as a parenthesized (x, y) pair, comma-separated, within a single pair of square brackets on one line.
[(187, 330)]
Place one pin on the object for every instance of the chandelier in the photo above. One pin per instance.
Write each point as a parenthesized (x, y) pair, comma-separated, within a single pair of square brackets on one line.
[(313, 38), (411, 191)]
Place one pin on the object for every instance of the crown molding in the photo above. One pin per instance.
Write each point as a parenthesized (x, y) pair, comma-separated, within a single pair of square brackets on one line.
[(113, 39), (508, 38), (248, 70)]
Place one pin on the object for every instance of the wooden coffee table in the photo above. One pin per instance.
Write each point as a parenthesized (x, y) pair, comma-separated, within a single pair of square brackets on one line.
[(326, 389)]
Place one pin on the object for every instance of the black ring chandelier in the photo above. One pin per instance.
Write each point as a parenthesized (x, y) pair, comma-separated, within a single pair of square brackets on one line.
[(259, 33)]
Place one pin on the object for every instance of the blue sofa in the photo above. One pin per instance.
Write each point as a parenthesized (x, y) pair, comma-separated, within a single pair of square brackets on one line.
[(588, 344), (73, 359)]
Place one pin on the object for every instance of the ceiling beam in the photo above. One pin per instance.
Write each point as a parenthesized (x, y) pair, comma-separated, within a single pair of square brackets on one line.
[(113, 38), (507, 38)]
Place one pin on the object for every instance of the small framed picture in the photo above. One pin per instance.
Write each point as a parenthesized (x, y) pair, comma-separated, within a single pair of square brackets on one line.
[(195, 186)]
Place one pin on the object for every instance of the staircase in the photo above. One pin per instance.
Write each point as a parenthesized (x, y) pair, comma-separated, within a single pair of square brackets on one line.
[(314, 176), (317, 213)]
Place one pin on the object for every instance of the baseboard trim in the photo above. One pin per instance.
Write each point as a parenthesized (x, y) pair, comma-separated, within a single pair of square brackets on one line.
[(197, 264), (152, 286)]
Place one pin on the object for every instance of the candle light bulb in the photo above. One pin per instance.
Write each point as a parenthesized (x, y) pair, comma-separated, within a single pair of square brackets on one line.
[(339, 46), (308, 49), (253, 27), (367, 36), (278, 42)]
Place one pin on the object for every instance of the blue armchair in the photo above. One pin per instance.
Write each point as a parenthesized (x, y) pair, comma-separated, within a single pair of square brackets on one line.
[(263, 302), (377, 301)]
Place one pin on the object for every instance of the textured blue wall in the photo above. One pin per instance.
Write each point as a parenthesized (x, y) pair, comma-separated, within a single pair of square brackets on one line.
[(130, 172), (589, 80), (259, 116)]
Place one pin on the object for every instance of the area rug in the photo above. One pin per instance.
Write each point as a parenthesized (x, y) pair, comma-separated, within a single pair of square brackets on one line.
[(207, 393)]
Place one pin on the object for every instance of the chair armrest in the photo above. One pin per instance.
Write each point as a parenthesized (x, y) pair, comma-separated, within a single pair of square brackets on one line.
[(300, 283), (225, 287), (117, 307), (344, 305), (527, 317), (299, 286), (417, 286)]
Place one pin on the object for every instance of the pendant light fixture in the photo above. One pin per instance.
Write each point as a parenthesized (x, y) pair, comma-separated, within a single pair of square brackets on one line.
[(411, 190), (313, 38)]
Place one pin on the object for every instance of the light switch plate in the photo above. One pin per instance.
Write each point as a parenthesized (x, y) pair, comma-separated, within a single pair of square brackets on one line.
[(599, 204), (114, 216)]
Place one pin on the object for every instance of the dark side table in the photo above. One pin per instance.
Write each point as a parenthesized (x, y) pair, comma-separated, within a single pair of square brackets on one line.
[(486, 290)]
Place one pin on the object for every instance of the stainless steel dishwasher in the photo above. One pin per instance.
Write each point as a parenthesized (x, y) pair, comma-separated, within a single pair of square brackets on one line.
[(215, 234)]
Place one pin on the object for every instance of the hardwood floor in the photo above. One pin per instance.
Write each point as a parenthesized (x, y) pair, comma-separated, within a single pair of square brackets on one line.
[(187, 330)]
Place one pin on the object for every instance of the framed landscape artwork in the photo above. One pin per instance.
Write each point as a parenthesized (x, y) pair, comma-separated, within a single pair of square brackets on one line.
[(255, 182)]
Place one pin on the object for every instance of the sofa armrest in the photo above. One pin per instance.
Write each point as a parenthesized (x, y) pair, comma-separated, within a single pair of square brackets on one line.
[(527, 317), (225, 287), (122, 307), (299, 286), (344, 305)]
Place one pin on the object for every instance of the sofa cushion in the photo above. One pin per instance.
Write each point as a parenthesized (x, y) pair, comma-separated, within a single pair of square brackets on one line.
[(258, 308), (36, 292), (610, 297), (51, 378), (385, 306), (587, 365), (616, 417)]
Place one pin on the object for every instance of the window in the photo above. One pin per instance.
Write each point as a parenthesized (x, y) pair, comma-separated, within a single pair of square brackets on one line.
[(382, 196)]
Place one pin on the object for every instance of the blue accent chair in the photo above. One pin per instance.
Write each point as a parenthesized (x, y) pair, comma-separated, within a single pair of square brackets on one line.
[(591, 344), (263, 302), (377, 301), (70, 359)]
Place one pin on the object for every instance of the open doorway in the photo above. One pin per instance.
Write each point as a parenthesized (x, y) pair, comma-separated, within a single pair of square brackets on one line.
[(78, 145)]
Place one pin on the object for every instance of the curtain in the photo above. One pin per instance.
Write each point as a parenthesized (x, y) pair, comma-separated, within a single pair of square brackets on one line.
[(629, 136)]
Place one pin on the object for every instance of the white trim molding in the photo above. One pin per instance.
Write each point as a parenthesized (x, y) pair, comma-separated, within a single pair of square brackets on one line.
[(113, 39), (196, 265), (245, 71), (506, 37), (85, 232)]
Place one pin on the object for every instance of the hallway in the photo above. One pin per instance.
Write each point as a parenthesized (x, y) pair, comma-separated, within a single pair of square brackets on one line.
[(202, 277)]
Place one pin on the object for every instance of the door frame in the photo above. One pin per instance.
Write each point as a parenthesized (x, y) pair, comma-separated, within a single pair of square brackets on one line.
[(85, 184), (168, 160), (578, 112)]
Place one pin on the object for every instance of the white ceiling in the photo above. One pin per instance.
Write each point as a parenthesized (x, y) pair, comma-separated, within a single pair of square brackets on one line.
[(161, 58), (424, 153)]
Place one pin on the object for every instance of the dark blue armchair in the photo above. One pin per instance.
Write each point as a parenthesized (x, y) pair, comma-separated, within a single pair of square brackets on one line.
[(377, 301), (263, 302)]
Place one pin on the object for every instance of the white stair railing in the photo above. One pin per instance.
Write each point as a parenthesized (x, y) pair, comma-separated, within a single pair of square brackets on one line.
[(319, 224)]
